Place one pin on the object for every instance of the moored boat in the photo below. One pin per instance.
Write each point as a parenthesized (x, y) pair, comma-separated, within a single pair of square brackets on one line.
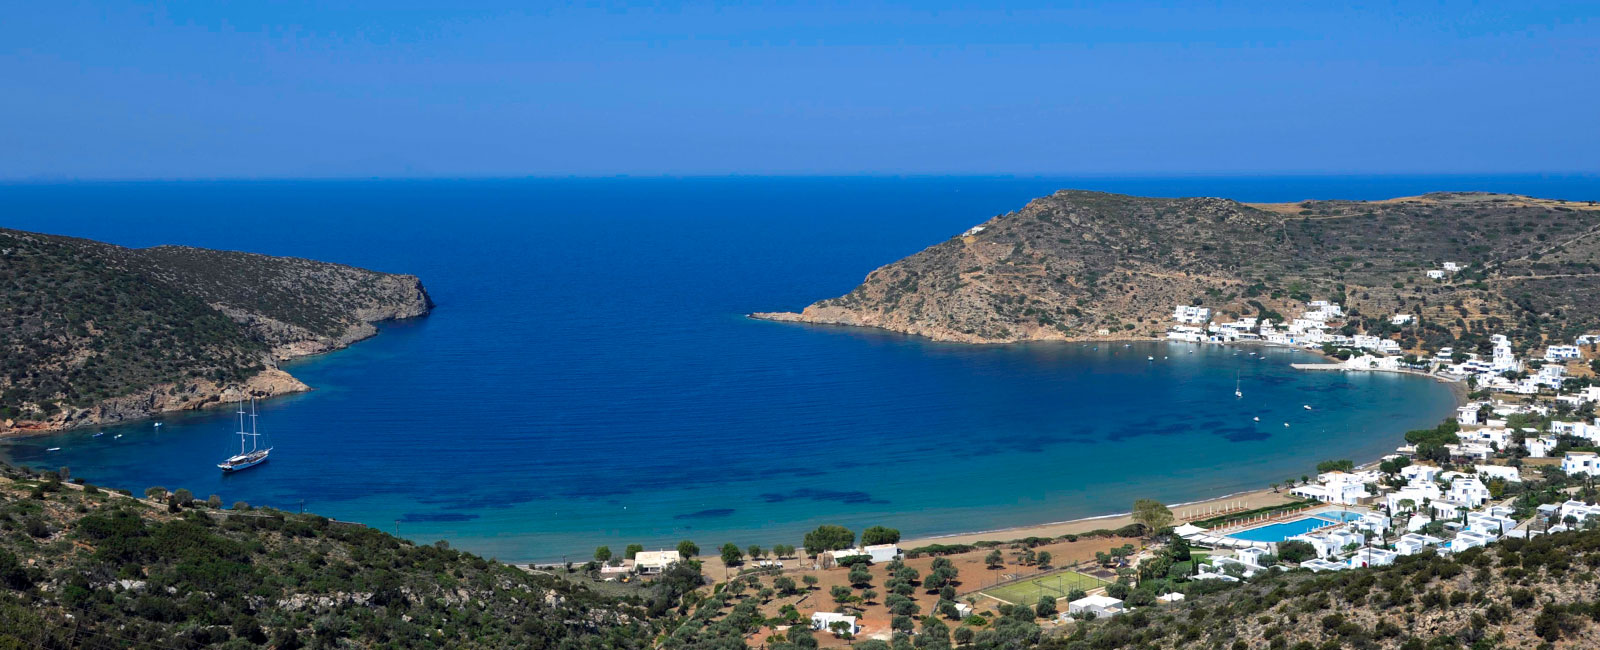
[(255, 454)]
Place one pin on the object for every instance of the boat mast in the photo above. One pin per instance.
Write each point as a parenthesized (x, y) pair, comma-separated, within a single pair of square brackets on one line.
[(241, 427), (255, 440)]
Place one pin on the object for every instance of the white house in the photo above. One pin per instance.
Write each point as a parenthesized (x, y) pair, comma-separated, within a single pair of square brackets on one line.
[(1415, 494), (1561, 353), (1495, 437), (1465, 540), (1419, 473), (1368, 556), (1579, 429), (1468, 414), (1249, 568), (1413, 543), (1435, 274), (1251, 555), (1099, 606), (1174, 597), (823, 621), (1401, 319), (878, 553), (1187, 333), (1191, 315), (1452, 267), (1318, 565), (1581, 462), (1502, 472), (1489, 525), (1373, 522), (1337, 487), (1332, 542), (1540, 447), (1472, 450), (648, 562), (1578, 510)]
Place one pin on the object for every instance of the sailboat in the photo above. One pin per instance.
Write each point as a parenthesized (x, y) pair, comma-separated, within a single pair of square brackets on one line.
[(256, 454), (1236, 391)]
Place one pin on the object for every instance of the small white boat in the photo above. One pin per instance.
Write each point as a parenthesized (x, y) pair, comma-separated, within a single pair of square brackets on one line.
[(1308, 407), (1258, 418), (116, 436), (54, 449), (158, 424), (98, 434), (1150, 358), (1236, 391), (1286, 425)]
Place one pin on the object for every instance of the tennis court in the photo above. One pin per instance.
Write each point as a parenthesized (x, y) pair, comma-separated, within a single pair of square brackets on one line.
[(1058, 584)]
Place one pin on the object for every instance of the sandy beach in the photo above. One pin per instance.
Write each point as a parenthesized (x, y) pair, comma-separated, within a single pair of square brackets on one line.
[(1183, 512)]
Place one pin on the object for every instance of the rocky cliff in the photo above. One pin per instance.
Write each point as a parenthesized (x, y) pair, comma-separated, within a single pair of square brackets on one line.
[(92, 333), (1084, 265)]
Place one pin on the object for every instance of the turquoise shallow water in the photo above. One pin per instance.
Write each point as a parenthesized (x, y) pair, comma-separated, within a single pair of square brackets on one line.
[(589, 376)]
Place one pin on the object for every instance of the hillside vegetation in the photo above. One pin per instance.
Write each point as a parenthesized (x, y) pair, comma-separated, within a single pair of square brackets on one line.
[(1081, 264), (1513, 594), (92, 332), (84, 568)]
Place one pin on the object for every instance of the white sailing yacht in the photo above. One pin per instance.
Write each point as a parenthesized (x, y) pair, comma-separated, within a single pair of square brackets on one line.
[(1236, 391), (256, 454)]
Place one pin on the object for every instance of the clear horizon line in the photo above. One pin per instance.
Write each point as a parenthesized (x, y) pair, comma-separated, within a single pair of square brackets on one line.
[(60, 180)]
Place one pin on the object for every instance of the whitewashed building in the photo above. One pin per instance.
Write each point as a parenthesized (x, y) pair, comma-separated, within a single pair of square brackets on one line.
[(1337, 487), (649, 562), (1503, 472), (1369, 556), (1581, 462), (823, 622), (1413, 543), (1540, 447), (878, 553), (1561, 353), (1099, 606), (1191, 315)]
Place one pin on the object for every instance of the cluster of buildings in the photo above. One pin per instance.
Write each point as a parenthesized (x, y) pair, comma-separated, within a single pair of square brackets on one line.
[(1312, 330), (1448, 269), (1445, 511)]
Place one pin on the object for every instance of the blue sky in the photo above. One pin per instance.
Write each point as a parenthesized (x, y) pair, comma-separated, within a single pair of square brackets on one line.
[(212, 89)]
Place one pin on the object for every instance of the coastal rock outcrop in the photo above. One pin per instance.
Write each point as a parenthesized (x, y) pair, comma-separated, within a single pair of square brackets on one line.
[(93, 333)]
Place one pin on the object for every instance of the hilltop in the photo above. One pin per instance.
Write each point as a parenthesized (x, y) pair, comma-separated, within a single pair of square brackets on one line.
[(95, 333), (1089, 265)]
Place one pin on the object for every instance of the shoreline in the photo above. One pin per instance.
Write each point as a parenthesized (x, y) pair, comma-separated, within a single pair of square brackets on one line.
[(1250, 499), (271, 382)]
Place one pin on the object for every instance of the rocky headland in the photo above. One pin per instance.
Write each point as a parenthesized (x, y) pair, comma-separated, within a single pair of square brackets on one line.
[(93, 333), (1079, 265)]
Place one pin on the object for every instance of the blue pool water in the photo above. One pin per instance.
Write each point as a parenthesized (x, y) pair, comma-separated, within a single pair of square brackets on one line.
[(1285, 529), (589, 377)]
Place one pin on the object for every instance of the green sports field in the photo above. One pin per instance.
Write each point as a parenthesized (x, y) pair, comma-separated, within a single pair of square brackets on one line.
[(1056, 584)]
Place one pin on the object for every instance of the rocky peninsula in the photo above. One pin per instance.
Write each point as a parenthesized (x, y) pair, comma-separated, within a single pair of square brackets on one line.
[(1081, 265), (93, 333)]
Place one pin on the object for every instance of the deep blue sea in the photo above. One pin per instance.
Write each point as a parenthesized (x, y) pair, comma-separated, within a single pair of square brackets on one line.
[(589, 376)]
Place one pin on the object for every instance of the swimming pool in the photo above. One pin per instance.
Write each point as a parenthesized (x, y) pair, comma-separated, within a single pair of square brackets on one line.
[(1285, 529)]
